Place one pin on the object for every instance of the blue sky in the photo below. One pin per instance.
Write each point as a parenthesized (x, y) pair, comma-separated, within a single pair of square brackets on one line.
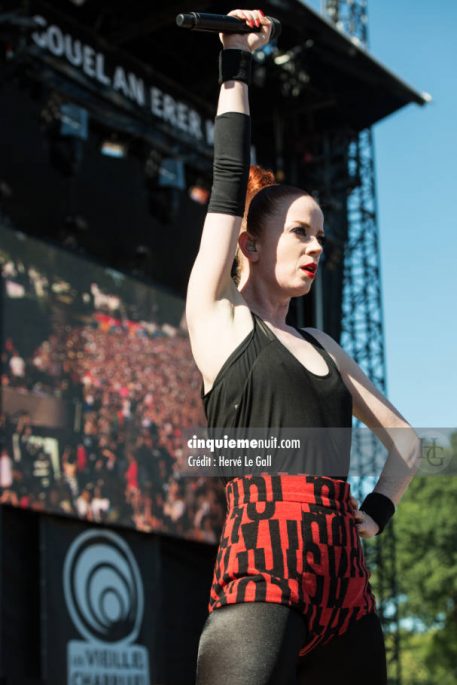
[(416, 160)]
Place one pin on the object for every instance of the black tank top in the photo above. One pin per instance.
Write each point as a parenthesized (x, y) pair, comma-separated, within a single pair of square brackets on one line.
[(262, 384)]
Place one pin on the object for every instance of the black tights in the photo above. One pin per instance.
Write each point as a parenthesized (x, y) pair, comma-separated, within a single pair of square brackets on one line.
[(257, 643)]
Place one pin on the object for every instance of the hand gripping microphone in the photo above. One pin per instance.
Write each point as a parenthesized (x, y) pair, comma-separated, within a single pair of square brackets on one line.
[(221, 23)]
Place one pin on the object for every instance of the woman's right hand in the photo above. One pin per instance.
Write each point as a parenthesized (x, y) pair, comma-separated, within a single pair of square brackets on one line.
[(248, 41)]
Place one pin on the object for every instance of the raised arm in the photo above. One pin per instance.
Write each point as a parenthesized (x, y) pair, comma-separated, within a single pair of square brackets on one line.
[(210, 279), (216, 313)]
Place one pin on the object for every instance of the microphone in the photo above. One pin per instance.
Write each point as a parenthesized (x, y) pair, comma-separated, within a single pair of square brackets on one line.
[(221, 23)]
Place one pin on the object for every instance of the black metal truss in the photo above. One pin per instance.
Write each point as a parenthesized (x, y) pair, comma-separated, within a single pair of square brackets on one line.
[(362, 334)]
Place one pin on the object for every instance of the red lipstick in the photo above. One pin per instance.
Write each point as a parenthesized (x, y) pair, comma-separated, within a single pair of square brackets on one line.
[(310, 270)]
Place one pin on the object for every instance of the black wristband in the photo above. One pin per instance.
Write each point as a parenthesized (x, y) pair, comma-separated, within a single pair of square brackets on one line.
[(235, 65), (232, 152), (379, 507)]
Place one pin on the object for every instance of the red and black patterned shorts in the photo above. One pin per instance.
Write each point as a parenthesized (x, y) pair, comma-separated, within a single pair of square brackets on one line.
[(293, 540)]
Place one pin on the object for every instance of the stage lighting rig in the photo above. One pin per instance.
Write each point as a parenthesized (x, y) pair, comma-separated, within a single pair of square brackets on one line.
[(199, 193), (113, 147), (292, 74), (287, 66)]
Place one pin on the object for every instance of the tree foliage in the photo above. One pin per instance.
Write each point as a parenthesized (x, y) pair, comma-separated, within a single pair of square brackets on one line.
[(426, 532)]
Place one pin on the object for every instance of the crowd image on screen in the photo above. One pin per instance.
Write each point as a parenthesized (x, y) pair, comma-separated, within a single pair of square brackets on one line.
[(134, 389)]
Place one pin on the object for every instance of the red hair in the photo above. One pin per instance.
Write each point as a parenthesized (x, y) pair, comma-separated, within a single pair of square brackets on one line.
[(258, 178), (262, 196)]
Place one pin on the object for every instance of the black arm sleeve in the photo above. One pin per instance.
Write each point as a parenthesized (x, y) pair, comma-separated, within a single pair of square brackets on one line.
[(232, 153), (379, 507)]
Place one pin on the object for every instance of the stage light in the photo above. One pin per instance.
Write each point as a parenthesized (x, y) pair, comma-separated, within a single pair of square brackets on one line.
[(113, 148), (64, 118), (171, 173), (74, 121), (282, 58), (199, 194)]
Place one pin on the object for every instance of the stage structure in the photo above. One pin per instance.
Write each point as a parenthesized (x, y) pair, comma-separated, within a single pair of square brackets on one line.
[(106, 138), (150, 90), (362, 333)]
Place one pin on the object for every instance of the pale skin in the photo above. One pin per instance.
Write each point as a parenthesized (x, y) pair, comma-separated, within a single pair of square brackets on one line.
[(271, 275)]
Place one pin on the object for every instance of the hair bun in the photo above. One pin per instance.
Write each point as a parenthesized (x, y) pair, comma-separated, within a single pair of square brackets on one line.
[(258, 178)]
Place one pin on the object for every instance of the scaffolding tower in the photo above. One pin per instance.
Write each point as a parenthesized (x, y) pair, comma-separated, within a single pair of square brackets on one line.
[(362, 331)]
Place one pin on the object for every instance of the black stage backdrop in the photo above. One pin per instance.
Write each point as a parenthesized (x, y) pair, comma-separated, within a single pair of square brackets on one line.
[(84, 600)]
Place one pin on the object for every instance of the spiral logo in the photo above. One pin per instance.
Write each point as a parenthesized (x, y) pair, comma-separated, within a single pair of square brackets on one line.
[(103, 588)]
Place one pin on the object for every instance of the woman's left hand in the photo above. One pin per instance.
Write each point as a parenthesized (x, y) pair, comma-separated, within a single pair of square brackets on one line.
[(366, 526)]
